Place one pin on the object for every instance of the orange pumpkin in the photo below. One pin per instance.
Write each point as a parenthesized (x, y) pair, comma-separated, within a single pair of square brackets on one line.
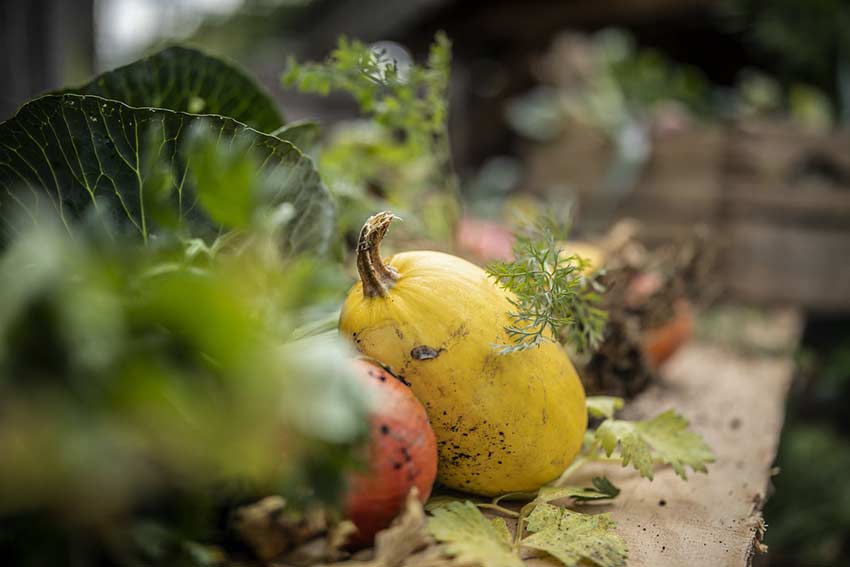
[(660, 343)]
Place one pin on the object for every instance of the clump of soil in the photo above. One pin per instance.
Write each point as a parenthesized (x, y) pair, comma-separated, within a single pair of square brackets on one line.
[(648, 289)]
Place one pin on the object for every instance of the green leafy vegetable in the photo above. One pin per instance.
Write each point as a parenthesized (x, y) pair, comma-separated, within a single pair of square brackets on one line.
[(303, 134), (552, 294), (136, 376), (469, 536), (74, 153), (187, 80), (603, 489), (665, 437), (603, 406), (575, 539)]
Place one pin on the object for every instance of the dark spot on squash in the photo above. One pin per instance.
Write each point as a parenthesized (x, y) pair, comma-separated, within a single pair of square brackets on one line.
[(397, 466), (461, 332), (424, 352), (385, 429)]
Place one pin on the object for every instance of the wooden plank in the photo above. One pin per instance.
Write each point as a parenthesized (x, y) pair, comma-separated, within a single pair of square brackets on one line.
[(774, 153), (786, 264), (736, 400), (813, 207)]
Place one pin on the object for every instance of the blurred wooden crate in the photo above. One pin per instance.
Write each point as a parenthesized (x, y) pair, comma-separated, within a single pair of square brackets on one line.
[(786, 208), (776, 198)]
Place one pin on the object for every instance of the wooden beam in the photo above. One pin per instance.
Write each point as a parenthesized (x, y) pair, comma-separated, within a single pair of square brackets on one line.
[(735, 398)]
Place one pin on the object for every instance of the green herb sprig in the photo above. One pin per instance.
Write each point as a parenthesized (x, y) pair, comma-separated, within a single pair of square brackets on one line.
[(554, 297)]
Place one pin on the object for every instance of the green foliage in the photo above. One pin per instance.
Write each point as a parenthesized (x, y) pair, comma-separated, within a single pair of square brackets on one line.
[(399, 158), (809, 515), (470, 537), (187, 80), (136, 166), (603, 406), (131, 373), (646, 77), (412, 100), (575, 539), (616, 86), (149, 374), (303, 134), (552, 295), (804, 41), (665, 437), (603, 489), (570, 537)]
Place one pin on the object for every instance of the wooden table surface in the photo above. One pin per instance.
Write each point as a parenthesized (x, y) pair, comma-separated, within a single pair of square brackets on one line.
[(733, 390)]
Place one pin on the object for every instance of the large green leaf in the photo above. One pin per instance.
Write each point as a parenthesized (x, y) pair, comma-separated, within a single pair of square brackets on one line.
[(70, 154), (187, 80), (305, 134)]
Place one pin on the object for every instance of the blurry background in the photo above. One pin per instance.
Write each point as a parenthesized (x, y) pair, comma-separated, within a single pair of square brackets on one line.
[(731, 114)]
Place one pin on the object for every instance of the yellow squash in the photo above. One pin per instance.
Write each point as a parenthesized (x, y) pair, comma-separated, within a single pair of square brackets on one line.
[(594, 254), (503, 422)]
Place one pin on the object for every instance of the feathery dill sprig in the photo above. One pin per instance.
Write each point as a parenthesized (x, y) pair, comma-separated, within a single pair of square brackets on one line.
[(554, 296)]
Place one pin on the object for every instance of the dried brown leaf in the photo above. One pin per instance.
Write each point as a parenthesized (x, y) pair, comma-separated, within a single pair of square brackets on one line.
[(396, 545), (270, 529)]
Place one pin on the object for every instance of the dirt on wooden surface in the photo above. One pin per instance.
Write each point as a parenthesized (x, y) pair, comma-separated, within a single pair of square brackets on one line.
[(735, 397)]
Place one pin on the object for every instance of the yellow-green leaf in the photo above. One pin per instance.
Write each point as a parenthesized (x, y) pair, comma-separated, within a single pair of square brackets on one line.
[(574, 538), (469, 536), (665, 437), (603, 406)]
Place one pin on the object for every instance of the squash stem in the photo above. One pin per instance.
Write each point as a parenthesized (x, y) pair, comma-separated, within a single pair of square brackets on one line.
[(376, 276)]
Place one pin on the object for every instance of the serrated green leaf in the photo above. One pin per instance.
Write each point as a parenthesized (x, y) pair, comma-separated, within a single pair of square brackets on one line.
[(469, 536), (502, 531), (439, 501), (574, 538), (666, 437), (603, 406), (187, 80), (603, 489), (71, 154)]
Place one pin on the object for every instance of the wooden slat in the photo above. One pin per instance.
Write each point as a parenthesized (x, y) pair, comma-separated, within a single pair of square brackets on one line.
[(736, 401), (813, 207), (788, 264)]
